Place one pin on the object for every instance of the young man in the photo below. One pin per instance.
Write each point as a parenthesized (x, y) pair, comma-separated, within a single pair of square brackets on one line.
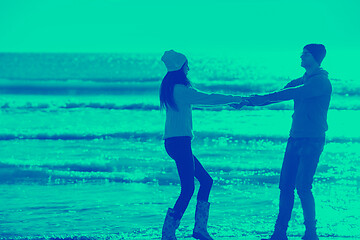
[(311, 94)]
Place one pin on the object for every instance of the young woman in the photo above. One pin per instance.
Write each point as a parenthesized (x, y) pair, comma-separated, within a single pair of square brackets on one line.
[(176, 97)]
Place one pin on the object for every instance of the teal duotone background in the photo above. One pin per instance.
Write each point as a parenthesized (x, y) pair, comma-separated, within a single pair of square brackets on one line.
[(81, 153), (231, 28), (144, 26)]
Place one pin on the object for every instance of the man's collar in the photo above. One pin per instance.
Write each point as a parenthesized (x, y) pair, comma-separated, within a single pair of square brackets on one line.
[(313, 72)]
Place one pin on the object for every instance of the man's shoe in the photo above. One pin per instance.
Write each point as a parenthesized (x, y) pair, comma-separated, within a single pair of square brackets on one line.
[(310, 232)]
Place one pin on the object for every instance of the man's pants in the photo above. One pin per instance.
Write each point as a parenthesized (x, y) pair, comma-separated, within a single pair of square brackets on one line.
[(298, 169)]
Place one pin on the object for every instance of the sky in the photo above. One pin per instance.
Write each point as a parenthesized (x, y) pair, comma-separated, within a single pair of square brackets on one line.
[(189, 25)]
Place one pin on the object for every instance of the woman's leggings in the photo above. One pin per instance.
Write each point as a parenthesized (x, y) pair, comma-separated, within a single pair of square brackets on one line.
[(179, 149)]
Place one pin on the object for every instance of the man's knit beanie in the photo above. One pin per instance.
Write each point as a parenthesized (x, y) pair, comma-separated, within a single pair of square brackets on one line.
[(318, 51)]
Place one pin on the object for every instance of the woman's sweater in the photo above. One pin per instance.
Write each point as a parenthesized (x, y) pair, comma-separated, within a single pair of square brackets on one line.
[(179, 122)]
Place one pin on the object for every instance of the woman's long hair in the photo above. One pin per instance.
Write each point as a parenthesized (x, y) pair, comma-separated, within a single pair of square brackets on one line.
[(167, 87)]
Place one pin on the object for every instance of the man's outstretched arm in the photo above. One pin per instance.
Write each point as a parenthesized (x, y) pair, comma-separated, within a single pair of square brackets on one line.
[(315, 88), (255, 101)]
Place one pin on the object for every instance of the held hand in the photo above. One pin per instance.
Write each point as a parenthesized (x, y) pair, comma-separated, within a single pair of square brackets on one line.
[(237, 105), (258, 100), (245, 102)]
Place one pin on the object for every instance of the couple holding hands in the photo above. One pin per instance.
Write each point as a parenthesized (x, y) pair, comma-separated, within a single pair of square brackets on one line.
[(311, 94)]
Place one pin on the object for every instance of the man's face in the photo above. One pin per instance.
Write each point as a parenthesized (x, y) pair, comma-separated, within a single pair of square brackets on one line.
[(186, 68), (307, 59)]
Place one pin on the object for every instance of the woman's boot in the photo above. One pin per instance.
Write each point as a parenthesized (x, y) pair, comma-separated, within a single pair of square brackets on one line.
[(201, 219), (170, 226)]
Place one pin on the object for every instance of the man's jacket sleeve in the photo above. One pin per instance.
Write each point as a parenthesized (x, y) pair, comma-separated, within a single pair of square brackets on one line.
[(294, 83), (317, 87)]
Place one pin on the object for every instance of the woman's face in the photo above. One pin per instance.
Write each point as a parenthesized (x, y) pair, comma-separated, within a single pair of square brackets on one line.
[(186, 68)]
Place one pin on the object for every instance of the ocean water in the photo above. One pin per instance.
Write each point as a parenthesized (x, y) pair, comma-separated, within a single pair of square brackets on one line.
[(82, 155)]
